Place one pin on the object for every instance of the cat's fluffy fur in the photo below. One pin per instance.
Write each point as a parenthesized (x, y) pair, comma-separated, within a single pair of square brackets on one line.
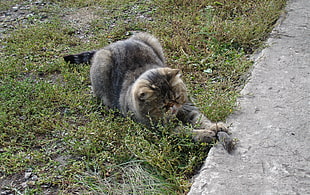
[(132, 77)]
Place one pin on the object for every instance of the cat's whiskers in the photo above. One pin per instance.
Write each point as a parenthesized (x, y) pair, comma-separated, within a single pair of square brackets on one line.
[(172, 107)]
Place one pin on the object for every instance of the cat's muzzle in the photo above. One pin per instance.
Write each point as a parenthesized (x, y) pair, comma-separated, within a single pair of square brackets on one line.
[(172, 108)]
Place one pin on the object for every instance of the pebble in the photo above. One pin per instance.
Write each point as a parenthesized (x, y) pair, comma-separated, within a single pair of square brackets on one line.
[(24, 185), (6, 192), (15, 8), (28, 175), (34, 178)]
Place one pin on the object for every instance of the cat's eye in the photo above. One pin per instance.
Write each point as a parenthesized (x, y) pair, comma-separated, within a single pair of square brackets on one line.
[(142, 96), (177, 99)]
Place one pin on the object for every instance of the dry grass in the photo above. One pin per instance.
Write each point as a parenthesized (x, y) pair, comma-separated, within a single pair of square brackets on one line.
[(51, 127)]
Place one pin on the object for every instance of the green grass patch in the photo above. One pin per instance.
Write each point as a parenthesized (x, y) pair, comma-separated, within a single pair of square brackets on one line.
[(54, 136)]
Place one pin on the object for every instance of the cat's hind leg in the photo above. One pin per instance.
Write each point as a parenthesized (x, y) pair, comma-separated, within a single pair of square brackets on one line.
[(100, 72)]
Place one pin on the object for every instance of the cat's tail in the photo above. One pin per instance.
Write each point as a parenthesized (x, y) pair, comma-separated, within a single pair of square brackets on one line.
[(84, 57)]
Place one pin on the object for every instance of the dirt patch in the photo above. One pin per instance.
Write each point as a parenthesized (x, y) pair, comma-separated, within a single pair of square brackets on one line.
[(20, 182), (81, 19), (22, 15), (15, 183)]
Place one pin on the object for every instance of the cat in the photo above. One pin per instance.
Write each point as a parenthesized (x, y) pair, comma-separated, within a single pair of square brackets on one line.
[(132, 76)]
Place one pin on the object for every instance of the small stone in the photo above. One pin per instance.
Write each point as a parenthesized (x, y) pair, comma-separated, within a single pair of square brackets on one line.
[(45, 186), (15, 8), (6, 192), (28, 175), (24, 185), (31, 183), (34, 178), (29, 15)]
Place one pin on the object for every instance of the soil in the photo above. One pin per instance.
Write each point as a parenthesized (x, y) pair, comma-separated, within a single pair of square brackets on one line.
[(21, 16)]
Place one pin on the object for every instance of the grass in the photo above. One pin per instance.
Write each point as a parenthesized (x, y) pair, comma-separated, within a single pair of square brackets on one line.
[(52, 127)]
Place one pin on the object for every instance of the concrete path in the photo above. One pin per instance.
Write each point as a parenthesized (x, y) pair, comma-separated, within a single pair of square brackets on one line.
[(273, 122)]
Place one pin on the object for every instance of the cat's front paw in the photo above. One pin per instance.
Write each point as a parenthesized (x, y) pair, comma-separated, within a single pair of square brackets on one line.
[(210, 134), (227, 142), (204, 135), (218, 127)]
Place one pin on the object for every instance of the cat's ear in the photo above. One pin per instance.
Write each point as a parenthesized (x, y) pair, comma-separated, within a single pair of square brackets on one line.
[(175, 72)]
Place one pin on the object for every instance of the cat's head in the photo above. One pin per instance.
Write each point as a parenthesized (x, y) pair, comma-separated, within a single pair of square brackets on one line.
[(159, 91)]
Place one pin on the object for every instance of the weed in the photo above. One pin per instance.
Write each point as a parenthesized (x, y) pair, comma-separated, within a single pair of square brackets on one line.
[(55, 131)]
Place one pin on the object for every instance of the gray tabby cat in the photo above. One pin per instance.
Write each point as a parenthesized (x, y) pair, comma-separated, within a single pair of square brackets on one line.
[(132, 77)]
